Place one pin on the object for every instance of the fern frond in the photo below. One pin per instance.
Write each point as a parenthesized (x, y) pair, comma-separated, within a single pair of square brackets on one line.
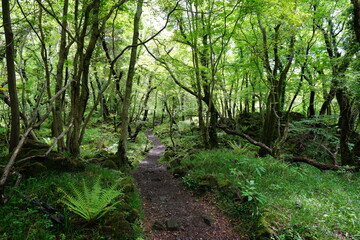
[(91, 201)]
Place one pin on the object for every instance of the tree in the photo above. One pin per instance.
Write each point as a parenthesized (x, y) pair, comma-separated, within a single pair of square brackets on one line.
[(121, 153), (11, 76)]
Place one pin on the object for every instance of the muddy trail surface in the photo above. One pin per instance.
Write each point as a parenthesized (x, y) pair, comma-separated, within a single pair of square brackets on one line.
[(170, 211)]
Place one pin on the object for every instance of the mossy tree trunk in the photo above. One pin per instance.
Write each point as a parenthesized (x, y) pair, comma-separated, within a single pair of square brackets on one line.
[(277, 76)]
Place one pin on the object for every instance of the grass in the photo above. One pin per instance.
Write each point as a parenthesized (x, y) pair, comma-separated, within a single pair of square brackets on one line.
[(298, 201)]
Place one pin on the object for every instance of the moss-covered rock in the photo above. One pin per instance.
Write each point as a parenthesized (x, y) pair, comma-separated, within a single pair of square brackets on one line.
[(130, 213), (117, 227), (109, 164), (127, 185), (263, 229), (32, 160)]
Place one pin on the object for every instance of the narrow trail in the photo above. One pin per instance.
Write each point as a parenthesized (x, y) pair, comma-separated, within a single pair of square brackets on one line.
[(171, 212)]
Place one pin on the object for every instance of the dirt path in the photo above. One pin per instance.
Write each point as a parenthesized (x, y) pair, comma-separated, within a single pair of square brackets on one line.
[(171, 212)]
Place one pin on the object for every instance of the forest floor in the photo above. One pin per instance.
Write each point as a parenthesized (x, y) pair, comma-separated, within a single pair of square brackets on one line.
[(170, 211)]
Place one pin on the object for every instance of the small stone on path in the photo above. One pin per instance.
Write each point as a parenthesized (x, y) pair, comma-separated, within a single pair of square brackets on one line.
[(172, 224), (159, 226)]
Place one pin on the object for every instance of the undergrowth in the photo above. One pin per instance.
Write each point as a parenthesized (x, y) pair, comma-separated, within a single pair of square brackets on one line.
[(298, 201), (270, 198), (22, 218)]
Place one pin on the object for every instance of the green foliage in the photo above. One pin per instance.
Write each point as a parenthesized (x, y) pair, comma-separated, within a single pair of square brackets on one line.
[(299, 201), (313, 138), (93, 201), (21, 218)]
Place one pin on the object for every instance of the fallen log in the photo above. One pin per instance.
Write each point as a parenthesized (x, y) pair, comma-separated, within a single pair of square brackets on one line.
[(319, 165)]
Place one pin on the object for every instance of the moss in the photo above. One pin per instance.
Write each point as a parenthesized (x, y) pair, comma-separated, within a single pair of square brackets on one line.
[(263, 229), (208, 181), (168, 155), (117, 227), (128, 185), (109, 164), (37, 168)]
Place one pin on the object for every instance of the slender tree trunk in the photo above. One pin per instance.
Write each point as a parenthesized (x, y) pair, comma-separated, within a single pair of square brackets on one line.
[(202, 126), (122, 153), (104, 108), (144, 110), (11, 76), (63, 53), (155, 109), (312, 104), (213, 113)]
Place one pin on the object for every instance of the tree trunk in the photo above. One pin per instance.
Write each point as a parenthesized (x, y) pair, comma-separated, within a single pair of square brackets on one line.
[(63, 53), (312, 104), (356, 18), (206, 85), (270, 133), (329, 97), (11, 76), (104, 108), (145, 113), (80, 88), (122, 153), (276, 75), (346, 124)]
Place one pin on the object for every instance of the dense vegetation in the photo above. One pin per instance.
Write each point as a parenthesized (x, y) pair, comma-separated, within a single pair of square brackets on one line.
[(257, 102)]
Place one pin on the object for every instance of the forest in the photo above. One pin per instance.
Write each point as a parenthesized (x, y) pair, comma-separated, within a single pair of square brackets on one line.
[(180, 119)]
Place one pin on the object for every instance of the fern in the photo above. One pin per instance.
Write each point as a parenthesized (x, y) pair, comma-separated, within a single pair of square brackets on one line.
[(91, 202), (238, 148)]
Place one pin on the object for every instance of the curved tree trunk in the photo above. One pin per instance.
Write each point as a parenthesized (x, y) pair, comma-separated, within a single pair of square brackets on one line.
[(121, 152)]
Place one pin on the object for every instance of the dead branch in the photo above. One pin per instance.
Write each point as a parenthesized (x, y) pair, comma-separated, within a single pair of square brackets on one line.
[(21, 143), (18, 179), (51, 147), (333, 155), (58, 93)]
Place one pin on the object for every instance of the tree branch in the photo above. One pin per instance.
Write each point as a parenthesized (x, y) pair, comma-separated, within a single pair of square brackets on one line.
[(248, 138), (149, 39)]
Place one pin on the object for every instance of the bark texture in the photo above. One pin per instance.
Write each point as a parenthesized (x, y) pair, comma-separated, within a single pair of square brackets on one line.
[(11, 76)]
